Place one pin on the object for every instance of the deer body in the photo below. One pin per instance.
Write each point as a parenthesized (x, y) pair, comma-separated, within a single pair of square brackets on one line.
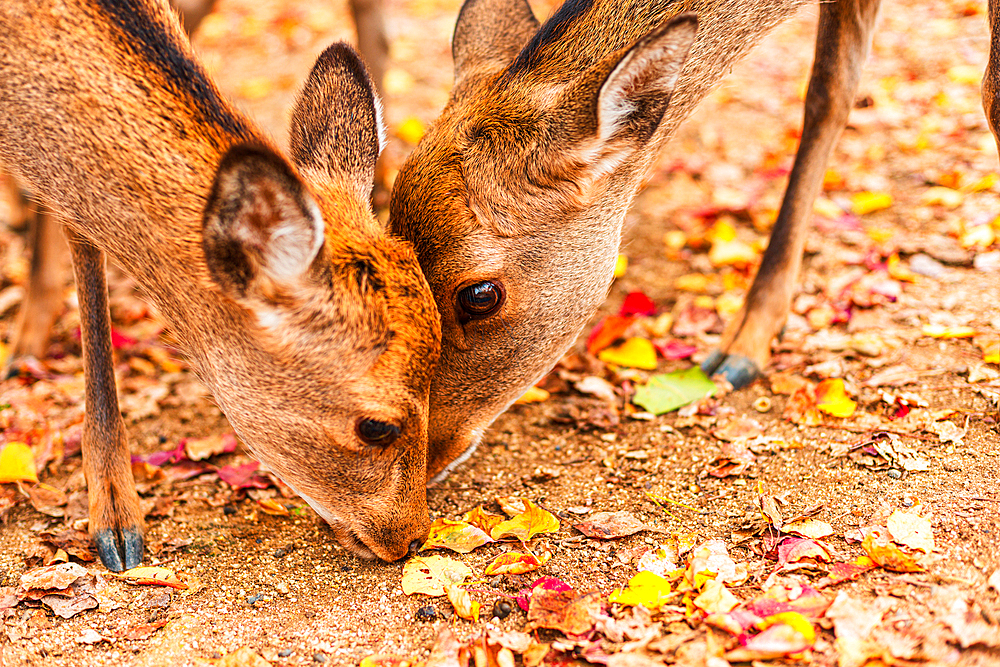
[(315, 333)]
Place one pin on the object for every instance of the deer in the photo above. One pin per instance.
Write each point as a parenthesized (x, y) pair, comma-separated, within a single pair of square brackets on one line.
[(314, 330), (43, 296), (515, 198)]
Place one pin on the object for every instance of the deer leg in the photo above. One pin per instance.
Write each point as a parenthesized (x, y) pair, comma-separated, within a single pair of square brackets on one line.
[(115, 518), (991, 79), (45, 284), (842, 44)]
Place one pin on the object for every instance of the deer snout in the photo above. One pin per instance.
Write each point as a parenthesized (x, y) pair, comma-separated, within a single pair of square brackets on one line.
[(401, 535)]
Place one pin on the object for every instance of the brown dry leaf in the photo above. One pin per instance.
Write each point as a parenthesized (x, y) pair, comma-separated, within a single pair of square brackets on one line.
[(801, 408), (969, 625), (911, 530), (76, 543), (272, 507), (570, 611), (514, 562), (740, 428), (429, 574), (446, 651), (198, 449), (511, 505), (609, 525), (853, 622), (150, 576), (811, 528), (463, 603), (711, 561), (57, 577), (716, 598), (45, 498), (733, 460)]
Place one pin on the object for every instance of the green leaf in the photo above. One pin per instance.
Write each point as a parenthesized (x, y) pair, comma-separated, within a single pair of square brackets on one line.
[(669, 391)]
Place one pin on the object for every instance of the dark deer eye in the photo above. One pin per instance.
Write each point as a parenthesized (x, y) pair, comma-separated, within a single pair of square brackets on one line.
[(480, 300), (377, 433)]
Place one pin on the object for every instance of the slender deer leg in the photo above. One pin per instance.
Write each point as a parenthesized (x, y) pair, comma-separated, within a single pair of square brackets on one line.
[(845, 32), (372, 41), (991, 80), (115, 519), (45, 284)]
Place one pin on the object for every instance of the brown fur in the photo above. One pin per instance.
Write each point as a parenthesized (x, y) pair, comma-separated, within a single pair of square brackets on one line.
[(515, 182), (297, 348)]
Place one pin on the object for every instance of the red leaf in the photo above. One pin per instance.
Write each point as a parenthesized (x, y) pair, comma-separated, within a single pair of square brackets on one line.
[(637, 303), (244, 476), (607, 331)]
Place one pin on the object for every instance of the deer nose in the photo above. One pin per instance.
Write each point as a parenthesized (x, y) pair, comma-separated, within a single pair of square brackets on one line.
[(415, 547)]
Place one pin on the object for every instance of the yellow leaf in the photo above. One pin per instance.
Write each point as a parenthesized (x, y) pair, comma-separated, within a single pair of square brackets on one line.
[(397, 81), (675, 239), (463, 603), (721, 232), (832, 398), (728, 304), (980, 236), (898, 270), (532, 521), (732, 253), (863, 203), (633, 353), (272, 507), (693, 282), (429, 574), (647, 589), (455, 535), (990, 345), (388, 660), (911, 530), (410, 130), (482, 519), (941, 331), (256, 88), (621, 266), (17, 464), (811, 528), (942, 196), (533, 395), (967, 74), (984, 183)]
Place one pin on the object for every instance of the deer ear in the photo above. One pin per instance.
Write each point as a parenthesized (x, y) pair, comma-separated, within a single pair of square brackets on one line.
[(337, 125), (262, 228), (489, 34), (635, 94)]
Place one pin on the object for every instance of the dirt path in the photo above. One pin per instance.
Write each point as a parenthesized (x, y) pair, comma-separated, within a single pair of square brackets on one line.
[(281, 586)]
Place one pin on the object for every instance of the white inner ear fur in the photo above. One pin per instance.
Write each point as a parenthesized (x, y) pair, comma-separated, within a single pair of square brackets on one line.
[(293, 246), (379, 121)]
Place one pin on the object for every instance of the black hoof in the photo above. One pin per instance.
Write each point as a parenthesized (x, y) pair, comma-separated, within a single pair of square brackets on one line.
[(738, 370), (120, 551), (712, 362)]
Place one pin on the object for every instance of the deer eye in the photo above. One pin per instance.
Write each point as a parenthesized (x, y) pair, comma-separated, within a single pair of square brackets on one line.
[(479, 300), (378, 433)]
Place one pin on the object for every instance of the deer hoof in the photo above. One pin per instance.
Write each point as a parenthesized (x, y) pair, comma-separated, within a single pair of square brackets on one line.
[(119, 549), (738, 370)]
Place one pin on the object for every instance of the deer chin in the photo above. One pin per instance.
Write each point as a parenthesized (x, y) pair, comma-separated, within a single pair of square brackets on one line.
[(475, 437), (346, 536)]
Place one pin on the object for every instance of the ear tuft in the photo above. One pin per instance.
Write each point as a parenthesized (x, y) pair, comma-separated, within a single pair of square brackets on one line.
[(262, 228), (636, 93), (337, 124), (489, 34)]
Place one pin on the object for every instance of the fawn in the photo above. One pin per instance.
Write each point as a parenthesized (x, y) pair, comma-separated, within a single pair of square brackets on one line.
[(515, 198), (43, 297), (316, 333)]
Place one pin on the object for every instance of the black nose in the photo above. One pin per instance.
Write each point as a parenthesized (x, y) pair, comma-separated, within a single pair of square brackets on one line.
[(415, 547)]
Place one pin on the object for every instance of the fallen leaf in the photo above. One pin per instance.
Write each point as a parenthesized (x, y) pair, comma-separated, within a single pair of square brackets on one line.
[(911, 530), (198, 449), (17, 463), (462, 602), (244, 476), (410, 130), (242, 657), (566, 610), (533, 395), (514, 562), (715, 598), (876, 544), (609, 525), (941, 331), (669, 391), (970, 626), (832, 398), (511, 505), (388, 660), (674, 349), (429, 574), (607, 331), (811, 528), (272, 507), (782, 634), (853, 622), (733, 460), (458, 536), (711, 560), (798, 549), (621, 265), (482, 519), (52, 577), (633, 353), (863, 203), (532, 521), (779, 598), (150, 576), (647, 589), (637, 303)]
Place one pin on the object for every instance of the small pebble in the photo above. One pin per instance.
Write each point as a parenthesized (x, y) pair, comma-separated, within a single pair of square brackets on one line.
[(319, 657), (282, 588), (229, 510), (501, 609), (253, 599), (284, 653), (925, 265), (895, 474), (907, 501), (280, 553), (426, 613)]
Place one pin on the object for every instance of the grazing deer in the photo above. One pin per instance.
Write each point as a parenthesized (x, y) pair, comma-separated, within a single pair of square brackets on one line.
[(315, 332), (515, 198), (41, 304)]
